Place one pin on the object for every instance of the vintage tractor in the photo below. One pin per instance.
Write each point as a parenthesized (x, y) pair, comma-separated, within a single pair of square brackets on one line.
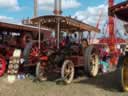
[(123, 69), (62, 56), (13, 36)]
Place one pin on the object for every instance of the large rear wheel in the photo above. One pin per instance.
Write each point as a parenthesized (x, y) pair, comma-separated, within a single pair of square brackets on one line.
[(67, 71), (91, 61), (124, 74), (2, 66), (40, 72), (31, 52)]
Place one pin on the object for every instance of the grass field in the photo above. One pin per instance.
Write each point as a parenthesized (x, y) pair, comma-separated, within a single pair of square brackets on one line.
[(102, 85)]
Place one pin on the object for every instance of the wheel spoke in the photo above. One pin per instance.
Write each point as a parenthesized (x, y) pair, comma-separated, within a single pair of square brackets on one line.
[(67, 71), (34, 51), (125, 73), (40, 72), (68, 74), (93, 60)]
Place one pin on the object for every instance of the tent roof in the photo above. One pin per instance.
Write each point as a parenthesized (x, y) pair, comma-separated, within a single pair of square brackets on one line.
[(120, 10), (18, 28), (67, 24)]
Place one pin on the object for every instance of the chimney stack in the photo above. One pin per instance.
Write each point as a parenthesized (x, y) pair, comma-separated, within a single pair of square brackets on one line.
[(35, 8), (57, 7)]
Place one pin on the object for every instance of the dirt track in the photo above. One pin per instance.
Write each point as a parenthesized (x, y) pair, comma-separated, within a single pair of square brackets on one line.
[(102, 85)]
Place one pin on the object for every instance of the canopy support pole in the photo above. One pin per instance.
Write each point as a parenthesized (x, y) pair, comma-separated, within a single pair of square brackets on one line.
[(58, 33), (39, 36)]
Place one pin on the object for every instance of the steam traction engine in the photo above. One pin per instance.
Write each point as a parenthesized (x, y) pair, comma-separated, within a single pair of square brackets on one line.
[(13, 37), (61, 55)]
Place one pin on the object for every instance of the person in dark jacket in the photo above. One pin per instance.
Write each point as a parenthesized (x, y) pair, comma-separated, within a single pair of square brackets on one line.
[(84, 43)]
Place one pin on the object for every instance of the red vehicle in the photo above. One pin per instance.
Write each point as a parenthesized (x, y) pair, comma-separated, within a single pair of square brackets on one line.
[(120, 11), (60, 56), (14, 36)]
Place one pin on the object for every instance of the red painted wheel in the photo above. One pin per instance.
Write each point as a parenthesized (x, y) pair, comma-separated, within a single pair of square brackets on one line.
[(34, 51), (31, 52), (34, 54), (2, 66)]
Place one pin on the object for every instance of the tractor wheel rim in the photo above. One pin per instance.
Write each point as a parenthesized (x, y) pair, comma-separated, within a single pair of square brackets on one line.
[(68, 71), (93, 62), (94, 65), (34, 52), (125, 76), (3, 66), (0, 65), (41, 73)]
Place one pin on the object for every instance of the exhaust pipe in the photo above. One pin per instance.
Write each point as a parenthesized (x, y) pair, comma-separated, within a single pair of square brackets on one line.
[(57, 7)]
